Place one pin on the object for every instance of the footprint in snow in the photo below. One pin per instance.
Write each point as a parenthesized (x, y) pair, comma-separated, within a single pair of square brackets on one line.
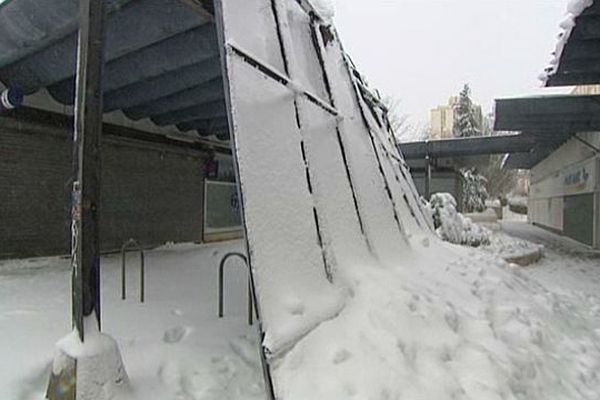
[(341, 355), (176, 335)]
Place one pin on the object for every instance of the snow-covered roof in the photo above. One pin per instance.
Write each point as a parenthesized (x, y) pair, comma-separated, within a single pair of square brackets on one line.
[(574, 10)]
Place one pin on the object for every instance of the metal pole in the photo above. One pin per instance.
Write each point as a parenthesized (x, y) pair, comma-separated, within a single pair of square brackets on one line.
[(142, 276), (221, 287), (86, 188), (250, 313), (427, 178), (123, 272)]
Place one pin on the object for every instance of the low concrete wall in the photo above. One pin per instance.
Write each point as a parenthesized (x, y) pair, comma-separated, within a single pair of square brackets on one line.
[(150, 192)]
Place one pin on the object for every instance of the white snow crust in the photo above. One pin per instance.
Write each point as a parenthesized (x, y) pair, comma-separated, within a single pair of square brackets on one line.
[(446, 323), (173, 346)]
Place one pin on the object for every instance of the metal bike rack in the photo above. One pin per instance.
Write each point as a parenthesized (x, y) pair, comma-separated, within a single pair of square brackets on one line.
[(132, 245), (221, 273)]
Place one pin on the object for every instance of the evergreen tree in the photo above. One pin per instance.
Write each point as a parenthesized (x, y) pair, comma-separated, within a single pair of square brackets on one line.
[(466, 123), (474, 191)]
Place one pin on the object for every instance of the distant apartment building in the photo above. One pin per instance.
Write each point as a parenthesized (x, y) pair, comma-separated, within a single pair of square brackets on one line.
[(442, 119)]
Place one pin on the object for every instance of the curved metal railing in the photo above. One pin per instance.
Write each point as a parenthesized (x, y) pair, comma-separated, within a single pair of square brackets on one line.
[(132, 245), (221, 278)]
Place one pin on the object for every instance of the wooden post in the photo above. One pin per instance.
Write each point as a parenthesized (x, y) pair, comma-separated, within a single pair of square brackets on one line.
[(85, 249)]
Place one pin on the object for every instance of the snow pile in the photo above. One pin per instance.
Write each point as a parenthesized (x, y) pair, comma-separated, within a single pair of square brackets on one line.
[(512, 249), (454, 227), (100, 371), (574, 10), (448, 324), (445, 323)]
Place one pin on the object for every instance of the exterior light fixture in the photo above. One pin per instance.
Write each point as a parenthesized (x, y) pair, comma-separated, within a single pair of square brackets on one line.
[(10, 98)]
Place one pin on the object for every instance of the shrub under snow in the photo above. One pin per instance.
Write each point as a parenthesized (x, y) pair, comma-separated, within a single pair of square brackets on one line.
[(518, 205), (454, 227)]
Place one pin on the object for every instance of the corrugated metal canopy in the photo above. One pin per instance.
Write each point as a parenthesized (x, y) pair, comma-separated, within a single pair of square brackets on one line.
[(464, 147), (548, 120), (579, 62), (524, 150), (557, 113), (552, 120), (162, 58)]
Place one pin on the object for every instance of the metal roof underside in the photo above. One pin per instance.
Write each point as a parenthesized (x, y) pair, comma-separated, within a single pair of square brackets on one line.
[(162, 59), (549, 120), (465, 147), (564, 113), (579, 63), (524, 150)]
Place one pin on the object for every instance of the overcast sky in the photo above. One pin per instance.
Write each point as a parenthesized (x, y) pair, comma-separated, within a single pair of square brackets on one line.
[(423, 51)]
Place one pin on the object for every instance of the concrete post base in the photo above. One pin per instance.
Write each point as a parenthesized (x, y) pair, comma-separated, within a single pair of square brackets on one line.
[(92, 370)]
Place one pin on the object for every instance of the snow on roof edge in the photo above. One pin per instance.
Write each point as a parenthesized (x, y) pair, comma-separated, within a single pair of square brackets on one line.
[(574, 10)]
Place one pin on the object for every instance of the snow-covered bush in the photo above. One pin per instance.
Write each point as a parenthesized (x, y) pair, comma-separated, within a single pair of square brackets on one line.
[(518, 204), (454, 227), (474, 191)]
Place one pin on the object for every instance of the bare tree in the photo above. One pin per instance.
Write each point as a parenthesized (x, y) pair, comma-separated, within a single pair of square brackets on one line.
[(500, 181), (404, 129)]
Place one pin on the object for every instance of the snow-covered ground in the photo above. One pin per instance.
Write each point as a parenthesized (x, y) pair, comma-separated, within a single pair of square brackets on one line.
[(450, 323), (173, 346)]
